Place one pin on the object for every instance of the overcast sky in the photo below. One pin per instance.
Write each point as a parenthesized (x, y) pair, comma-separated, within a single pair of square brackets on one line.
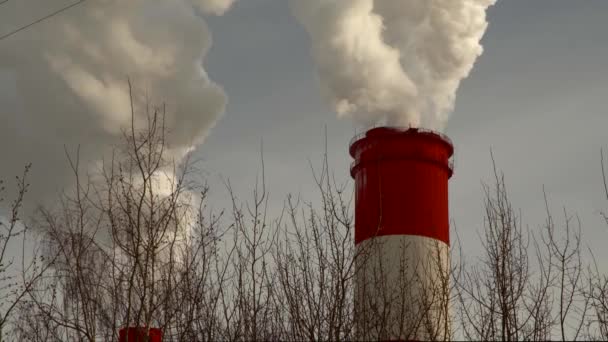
[(536, 97)]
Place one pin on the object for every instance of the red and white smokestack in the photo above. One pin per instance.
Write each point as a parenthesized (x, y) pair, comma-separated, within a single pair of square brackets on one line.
[(140, 334), (402, 234)]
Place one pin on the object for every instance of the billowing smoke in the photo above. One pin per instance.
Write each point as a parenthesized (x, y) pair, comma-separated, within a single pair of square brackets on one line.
[(63, 82), (396, 62)]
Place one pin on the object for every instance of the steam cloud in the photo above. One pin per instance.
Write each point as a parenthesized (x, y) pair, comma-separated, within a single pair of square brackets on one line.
[(394, 62), (63, 82)]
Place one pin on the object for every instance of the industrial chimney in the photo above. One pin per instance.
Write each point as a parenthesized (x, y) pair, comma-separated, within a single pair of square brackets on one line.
[(140, 334), (401, 234)]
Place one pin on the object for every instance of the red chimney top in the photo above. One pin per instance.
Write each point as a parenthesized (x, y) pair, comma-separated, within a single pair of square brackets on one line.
[(401, 181), (140, 334)]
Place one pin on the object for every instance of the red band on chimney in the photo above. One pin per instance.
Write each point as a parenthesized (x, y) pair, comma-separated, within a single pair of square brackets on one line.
[(140, 334), (401, 180)]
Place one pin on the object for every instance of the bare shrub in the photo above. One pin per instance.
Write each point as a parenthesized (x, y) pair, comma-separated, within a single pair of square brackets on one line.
[(598, 284), (127, 241), (19, 271), (518, 291), (315, 263)]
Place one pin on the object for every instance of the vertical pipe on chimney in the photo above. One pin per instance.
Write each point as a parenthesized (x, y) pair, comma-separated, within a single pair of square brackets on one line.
[(402, 234)]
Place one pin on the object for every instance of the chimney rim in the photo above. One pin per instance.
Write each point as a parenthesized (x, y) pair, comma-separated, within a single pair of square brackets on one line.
[(384, 132)]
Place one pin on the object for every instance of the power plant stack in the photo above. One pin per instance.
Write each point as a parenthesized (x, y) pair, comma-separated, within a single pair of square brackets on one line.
[(140, 334), (402, 234)]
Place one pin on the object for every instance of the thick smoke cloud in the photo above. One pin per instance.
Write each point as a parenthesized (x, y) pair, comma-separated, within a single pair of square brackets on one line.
[(63, 82), (394, 62)]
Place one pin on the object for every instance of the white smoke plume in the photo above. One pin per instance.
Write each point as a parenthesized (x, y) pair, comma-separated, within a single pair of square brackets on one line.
[(396, 62), (63, 82)]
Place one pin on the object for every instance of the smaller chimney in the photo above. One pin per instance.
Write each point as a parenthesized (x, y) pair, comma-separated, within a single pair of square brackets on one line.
[(140, 334)]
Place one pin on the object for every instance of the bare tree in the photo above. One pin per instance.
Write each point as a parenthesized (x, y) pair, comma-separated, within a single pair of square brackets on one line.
[(562, 254), (491, 293), (18, 271), (315, 262), (512, 294), (598, 284), (126, 240), (136, 247)]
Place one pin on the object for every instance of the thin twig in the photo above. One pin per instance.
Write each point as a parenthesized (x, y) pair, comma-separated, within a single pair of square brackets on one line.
[(603, 172)]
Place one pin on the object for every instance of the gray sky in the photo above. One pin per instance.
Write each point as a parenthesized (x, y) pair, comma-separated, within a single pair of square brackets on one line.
[(536, 97)]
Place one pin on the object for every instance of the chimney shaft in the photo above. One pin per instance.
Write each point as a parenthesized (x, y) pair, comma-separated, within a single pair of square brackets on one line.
[(401, 234)]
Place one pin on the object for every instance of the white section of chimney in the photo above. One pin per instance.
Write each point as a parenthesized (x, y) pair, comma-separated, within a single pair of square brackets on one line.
[(402, 288)]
